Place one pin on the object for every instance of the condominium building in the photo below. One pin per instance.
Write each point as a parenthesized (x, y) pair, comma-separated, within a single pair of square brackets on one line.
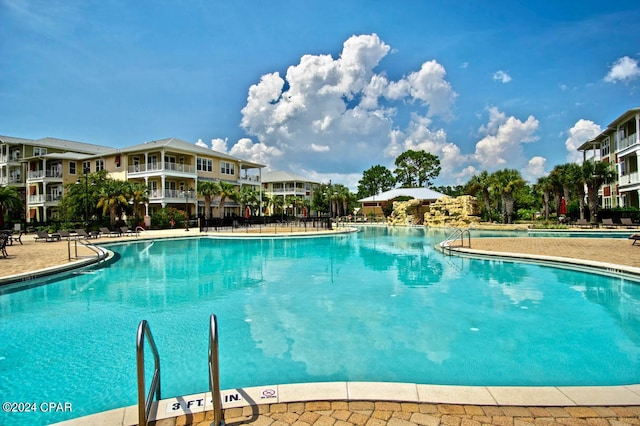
[(286, 184), (618, 144), (170, 169)]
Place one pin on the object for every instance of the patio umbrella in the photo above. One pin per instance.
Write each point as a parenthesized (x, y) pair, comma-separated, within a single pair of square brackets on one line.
[(304, 212), (563, 206), (247, 212)]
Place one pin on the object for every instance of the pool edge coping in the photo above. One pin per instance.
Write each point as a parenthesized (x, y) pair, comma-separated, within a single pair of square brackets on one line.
[(515, 396)]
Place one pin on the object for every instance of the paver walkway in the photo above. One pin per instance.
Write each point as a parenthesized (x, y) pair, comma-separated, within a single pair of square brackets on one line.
[(340, 413)]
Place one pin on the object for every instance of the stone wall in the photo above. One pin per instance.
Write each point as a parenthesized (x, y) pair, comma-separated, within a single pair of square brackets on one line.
[(460, 212), (406, 213)]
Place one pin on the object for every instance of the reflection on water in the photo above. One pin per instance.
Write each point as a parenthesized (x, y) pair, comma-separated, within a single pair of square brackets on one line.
[(380, 305)]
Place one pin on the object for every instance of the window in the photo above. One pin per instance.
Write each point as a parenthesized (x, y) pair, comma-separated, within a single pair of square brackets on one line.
[(204, 165), (99, 165), (117, 161), (39, 151), (86, 167), (604, 149), (72, 167), (227, 168)]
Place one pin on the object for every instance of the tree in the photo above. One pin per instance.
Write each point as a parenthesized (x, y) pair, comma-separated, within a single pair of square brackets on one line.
[(545, 187), (138, 194), (416, 168), (247, 196), (9, 201), (507, 182), (208, 189), (481, 184), (112, 198), (595, 175), (224, 190), (375, 180), (320, 198)]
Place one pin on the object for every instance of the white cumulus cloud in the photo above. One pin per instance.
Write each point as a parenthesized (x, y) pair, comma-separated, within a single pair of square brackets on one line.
[(535, 169), (502, 77), (624, 69), (337, 115), (502, 145), (581, 132)]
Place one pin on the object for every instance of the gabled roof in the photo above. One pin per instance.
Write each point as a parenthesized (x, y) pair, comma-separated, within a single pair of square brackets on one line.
[(417, 193), (12, 140), (282, 176), (624, 117), (84, 148), (187, 147)]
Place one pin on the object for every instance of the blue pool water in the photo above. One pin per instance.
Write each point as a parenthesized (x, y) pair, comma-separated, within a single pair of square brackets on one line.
[(379, 305)]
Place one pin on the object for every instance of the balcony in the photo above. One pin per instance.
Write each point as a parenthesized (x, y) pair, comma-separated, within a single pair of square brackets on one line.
[(170, 195), (626, 143), (155, 168), (44, 174), (42, 199)]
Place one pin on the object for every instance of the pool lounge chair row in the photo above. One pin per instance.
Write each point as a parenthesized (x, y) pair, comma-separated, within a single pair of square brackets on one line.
[(81, 233)]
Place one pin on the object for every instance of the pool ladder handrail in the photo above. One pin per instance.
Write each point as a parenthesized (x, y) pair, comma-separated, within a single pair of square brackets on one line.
[(456, 235), (144, 401), (214, 374)]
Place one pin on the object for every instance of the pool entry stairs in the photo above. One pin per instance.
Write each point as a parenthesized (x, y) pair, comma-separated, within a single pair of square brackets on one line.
[(145, 401), (456, 236)]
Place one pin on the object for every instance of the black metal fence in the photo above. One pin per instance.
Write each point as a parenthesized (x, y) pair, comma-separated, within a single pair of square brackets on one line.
[(265, 224)]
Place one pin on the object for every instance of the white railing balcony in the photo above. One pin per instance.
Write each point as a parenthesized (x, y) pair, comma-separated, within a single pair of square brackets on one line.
[(158, 167), (155, 194), (4, 180), (629, 179), (41, 174), (252, 179), (4, 159), (627, 142), (41, 199)]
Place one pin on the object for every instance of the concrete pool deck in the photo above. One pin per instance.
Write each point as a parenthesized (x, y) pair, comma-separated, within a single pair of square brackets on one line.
[(355, 403)]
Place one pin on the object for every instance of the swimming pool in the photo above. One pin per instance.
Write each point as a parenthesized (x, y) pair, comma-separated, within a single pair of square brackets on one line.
[(379, 305)]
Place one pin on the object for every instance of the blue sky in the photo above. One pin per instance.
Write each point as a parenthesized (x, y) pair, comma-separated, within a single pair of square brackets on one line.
[(325, 88)]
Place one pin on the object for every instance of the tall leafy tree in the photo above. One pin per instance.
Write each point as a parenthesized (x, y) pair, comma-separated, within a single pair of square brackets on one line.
[(375, 180), (545, 188), (10, 201), (207, 189), (138, 194), (247, 196), (416, 168), (595, 175), (507, 182), (225, 190), (112, 198), (481, 184)]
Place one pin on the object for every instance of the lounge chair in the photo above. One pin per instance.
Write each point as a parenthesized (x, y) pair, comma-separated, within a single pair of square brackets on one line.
[(3, 245), (635, 238), (626, 221), (108, 232), (608, 223), (583, 223), (124, 230), (84, 234), (11, 237), (44, 235)]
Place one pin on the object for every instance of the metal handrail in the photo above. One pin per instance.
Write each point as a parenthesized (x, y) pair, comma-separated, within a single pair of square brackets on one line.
[(144, 401), (214, 375), (458, 234)]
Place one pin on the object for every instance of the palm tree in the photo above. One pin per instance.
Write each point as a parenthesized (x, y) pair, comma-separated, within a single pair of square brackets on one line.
[(9, 200), (545, 186), (224, 190), (595, 175), (481, 183), (112, 197), (508, 181), (247, 196), (275, 202), (208, 189), (138, 193)]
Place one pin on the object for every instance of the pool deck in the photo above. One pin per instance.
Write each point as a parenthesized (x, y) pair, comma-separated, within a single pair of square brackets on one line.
[(355, 403)]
